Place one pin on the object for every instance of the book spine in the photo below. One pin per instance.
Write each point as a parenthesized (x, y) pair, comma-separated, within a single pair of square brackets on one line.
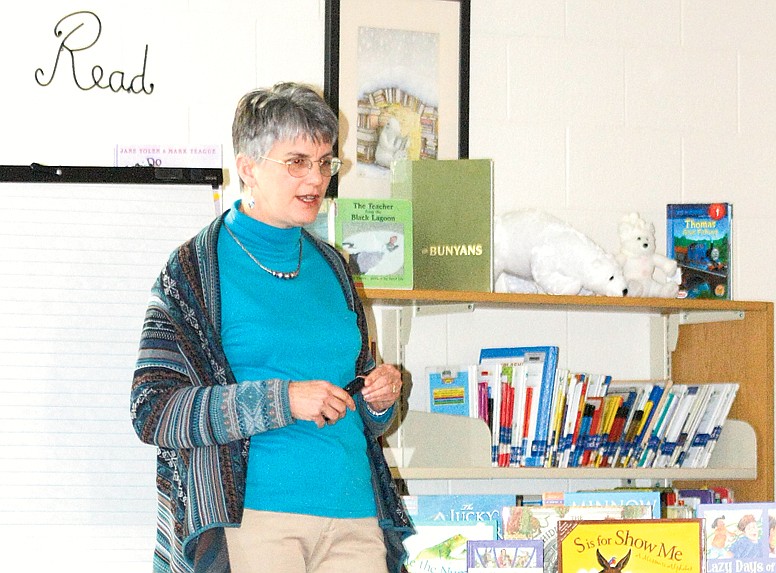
[(544, 412)]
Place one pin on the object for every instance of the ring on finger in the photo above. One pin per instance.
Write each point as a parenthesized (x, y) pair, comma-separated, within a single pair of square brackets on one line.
[(393, 389)]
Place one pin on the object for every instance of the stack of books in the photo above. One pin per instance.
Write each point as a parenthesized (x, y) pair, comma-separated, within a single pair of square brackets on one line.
[(541, 415), (434, 232), (461, 533), (603, 530)]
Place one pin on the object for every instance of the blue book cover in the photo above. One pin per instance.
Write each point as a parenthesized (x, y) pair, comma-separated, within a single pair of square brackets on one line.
[(584, 440), (615, 497), (450, 389), (441, 507), (739, 536), (541, 363), (699, 239)]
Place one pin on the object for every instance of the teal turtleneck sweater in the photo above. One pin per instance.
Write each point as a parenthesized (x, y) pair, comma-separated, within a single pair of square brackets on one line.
[(297, 329)]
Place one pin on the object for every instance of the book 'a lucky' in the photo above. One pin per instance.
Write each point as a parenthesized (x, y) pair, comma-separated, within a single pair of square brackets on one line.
[(376, 236), (452, 208), (451, 508), (699, 239)]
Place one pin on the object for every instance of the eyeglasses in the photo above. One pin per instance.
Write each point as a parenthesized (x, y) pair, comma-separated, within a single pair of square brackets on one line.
[(300, 166)]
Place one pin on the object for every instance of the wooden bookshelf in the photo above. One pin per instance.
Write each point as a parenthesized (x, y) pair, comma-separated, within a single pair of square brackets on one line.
[(716, 340)]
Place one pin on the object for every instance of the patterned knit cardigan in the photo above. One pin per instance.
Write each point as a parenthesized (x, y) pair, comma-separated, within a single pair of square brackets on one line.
[(185, 400)]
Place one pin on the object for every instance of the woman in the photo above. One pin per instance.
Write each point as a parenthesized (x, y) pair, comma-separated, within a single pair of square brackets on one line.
[(250, 337)]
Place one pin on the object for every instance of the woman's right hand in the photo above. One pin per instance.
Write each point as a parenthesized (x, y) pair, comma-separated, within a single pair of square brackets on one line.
[(319, 401)]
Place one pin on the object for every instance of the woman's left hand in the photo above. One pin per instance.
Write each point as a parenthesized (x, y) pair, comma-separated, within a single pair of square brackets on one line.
[(382, 387)]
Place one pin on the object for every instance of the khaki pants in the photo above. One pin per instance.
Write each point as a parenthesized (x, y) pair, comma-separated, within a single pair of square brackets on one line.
[(293, 543)]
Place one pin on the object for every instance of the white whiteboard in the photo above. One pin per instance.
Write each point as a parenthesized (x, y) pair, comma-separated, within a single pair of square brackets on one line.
[(77, 261)]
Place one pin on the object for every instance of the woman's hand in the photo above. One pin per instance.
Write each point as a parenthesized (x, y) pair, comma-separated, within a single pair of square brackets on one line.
[(319, 401), (382, 387)]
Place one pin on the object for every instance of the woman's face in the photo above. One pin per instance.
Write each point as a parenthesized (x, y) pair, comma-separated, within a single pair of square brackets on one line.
[(283, 200)]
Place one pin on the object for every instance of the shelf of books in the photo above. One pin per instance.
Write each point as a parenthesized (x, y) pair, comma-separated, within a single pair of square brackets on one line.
[(718, 342), (438, 446)]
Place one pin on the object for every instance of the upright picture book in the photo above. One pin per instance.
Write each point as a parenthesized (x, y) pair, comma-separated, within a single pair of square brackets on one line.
[(641, 546), (541, 522), (376, 236), (462, 507), (441, 547), (453, 389), (739, 536), (506, 555), (699, 239), (452, 206), (616, 497)]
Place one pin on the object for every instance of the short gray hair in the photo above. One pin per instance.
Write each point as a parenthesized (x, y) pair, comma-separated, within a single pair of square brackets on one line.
[(283, 112)]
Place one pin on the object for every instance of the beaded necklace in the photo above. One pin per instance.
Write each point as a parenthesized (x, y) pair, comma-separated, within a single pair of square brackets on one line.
[(273, 272)]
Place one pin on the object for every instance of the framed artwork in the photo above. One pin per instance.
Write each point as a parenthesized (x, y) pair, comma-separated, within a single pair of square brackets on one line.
[(398, 73)]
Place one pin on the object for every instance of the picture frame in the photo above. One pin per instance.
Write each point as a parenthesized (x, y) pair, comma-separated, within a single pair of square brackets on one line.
[(397, 72)]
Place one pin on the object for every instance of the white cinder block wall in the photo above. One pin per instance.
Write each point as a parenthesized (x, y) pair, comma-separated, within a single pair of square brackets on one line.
[(596, 108)]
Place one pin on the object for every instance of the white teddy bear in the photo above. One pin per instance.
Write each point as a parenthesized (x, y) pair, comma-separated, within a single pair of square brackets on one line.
[(648, 273), (537, 252)]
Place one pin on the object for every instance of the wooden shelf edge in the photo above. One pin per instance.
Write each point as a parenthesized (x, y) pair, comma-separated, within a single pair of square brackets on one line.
[(573, 473), (660, 305)]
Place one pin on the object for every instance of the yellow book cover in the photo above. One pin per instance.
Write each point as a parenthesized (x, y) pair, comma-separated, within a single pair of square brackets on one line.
[(631, 546)]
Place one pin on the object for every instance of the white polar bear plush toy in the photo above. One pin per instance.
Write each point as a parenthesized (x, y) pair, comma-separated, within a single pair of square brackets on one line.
[(537, 252), (648, 273)]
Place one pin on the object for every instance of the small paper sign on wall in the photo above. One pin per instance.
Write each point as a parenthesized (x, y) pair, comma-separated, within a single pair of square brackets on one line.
[(168, 155)]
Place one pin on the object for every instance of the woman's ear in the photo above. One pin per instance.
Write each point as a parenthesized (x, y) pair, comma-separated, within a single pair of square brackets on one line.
[(245, 167)]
